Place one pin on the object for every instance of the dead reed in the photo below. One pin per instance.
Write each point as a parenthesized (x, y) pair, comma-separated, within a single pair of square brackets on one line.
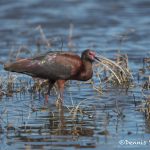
[(144, 74)]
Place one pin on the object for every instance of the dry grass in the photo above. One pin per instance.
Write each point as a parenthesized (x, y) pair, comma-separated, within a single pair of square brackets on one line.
[(117, 71), (144, 74)]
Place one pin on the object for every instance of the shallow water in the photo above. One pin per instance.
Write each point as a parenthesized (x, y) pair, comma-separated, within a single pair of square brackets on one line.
[(105, 26)]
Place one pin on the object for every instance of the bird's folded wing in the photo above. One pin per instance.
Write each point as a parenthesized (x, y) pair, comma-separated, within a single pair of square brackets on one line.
[(51, 66)]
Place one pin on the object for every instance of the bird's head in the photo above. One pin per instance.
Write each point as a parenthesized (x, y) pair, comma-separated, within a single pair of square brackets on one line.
[(89, 55)]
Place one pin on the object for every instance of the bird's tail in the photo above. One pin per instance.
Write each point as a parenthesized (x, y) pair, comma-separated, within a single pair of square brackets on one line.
[(19, 66)]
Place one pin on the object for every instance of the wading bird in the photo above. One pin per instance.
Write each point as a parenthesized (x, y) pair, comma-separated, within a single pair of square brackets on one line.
[(56, 67)]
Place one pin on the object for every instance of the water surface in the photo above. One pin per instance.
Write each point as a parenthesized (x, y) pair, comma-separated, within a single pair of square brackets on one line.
[(105, 26)]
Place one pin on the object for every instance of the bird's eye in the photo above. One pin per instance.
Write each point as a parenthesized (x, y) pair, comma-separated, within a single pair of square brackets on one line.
[(91, 53)]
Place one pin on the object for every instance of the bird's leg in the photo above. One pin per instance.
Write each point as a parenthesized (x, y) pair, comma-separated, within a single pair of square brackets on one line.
[(50, 85), (61, 84)]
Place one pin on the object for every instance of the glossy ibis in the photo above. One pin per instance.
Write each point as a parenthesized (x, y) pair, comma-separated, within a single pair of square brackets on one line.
[(56, 67)]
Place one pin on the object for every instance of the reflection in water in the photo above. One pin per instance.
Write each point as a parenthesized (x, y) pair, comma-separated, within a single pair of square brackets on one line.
[(62, 130)]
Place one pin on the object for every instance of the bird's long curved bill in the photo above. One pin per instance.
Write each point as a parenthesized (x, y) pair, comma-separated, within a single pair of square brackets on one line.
[(96, 58)]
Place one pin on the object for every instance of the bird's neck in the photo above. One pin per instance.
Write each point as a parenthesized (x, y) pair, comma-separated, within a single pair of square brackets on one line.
[(87, 71)]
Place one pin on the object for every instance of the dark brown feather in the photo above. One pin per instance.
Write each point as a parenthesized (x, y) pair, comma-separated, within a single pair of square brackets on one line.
[(52, 66)]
